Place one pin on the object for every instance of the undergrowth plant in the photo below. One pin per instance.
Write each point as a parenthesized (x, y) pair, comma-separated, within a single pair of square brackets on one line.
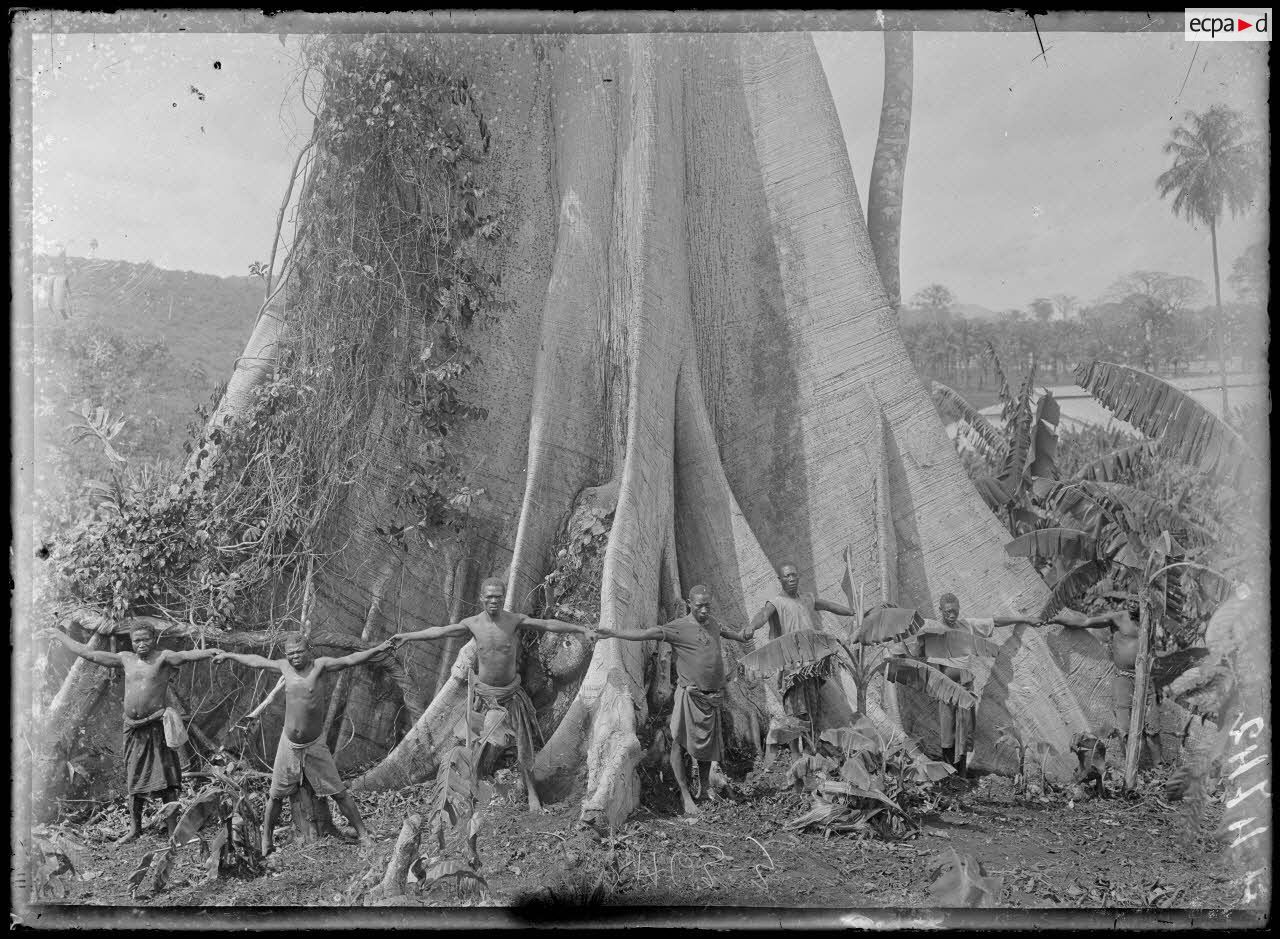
[(231, 848), (864, 781)]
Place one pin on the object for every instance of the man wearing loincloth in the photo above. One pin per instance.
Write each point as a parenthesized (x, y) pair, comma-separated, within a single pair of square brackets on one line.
[(801, 687), (152, 731), (495, 682), (1125, 632), (953, 656), (699, 699), (302, 751)]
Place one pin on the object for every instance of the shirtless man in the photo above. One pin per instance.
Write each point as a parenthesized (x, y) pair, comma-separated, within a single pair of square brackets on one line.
[(1125, 631), (152, 767), (788, 612), (695, 718), (302, 750), (954, 722), (496, 680)]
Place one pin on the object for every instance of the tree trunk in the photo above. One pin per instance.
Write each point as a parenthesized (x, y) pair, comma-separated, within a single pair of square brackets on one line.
[(702, 308), (1222, 325), (1142, 675), (889, 167), (81, 690), (686, 257)]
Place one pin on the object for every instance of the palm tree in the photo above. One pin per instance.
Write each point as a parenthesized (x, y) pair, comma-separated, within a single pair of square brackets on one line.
[(1214, 166)]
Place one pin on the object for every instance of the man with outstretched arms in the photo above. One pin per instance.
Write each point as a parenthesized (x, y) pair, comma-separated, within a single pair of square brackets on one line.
[(1125, 632), (699, 699), (791, 611), (153, 732), (496, 679), (952, 652), (302, 750)]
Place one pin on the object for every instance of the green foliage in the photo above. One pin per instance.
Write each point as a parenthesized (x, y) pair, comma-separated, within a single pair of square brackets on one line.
[(233, 847), (451, 853), (1217, 166), (1182, 428), (51, 858), (1011, 736), (865, 782)]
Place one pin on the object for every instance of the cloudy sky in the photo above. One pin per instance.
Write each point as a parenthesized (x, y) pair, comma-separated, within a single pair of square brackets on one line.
[(1025, 177)]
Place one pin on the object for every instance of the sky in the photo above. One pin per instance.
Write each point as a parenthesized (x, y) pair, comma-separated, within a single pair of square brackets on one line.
[(1027, 175)]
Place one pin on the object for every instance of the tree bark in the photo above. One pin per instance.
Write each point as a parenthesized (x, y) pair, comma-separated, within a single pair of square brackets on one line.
[(889, 167)]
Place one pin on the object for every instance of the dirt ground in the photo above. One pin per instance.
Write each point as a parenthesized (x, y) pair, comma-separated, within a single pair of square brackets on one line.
[(1116, 853)]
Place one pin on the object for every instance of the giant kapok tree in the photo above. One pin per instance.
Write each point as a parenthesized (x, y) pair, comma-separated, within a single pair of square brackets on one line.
[(598, 314)]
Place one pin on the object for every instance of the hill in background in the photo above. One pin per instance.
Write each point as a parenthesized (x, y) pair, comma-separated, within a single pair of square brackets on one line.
[(202, 319), (149, 345)]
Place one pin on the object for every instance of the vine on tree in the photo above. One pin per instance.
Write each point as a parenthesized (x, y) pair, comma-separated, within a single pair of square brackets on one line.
[(390, 270)]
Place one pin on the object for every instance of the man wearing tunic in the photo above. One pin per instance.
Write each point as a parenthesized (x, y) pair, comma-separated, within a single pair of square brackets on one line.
[(302, 751), (496, 680), (699, 698), (1125, 632), (954, 655), (152, 731), (791, 611)]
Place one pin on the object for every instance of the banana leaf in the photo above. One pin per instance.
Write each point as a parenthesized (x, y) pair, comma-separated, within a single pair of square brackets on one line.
[(849, 739), (943, 643), (930, 680), (1044, 439), (1118, 464), (1166, 668), (989, 441), (790, 650), (1183, 428), (1071, 586), (1068, 543), (885, 624)]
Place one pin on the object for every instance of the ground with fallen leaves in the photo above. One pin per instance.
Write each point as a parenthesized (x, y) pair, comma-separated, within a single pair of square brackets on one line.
[(1046, 852)]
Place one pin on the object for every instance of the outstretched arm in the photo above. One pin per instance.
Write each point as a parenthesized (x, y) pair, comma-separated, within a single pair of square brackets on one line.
[(355, 658), (635, 635), (96, 656), (1074, 620), (1013, 620), (743, 636), (555, 626), (763, 617), (829, 606), (431, 632), (192, 655), (253, 661)]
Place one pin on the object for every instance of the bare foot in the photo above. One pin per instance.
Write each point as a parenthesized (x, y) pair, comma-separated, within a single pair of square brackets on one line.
[(535, 804), (132, 836), (366, 843), (689, 807), (267, 848)]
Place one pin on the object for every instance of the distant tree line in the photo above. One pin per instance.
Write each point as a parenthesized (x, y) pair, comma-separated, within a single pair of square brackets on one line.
[(1151, 320)]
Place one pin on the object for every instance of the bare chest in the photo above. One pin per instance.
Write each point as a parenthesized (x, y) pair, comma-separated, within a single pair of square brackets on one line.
[(141, 673), (495, 638), (300, 685)]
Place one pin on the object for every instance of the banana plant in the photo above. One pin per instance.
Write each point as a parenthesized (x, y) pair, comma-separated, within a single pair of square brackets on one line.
[(857, 652), (1041, 748)]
